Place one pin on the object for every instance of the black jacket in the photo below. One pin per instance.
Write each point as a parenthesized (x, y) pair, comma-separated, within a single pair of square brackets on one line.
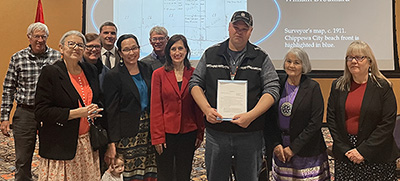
[(377, 120), (122, 101), (249, 69), (306, 138), (55, 97)]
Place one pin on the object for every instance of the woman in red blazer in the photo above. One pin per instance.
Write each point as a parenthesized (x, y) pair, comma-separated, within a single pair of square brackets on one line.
[(176, 123)]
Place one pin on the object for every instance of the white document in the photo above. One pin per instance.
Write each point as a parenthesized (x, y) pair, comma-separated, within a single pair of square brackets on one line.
[(231, 98)]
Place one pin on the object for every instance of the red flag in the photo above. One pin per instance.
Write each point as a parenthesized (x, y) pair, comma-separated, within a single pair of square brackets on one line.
[(39, 13)]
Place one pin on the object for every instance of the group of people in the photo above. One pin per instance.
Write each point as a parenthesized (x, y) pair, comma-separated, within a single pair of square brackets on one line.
[(156, 109)]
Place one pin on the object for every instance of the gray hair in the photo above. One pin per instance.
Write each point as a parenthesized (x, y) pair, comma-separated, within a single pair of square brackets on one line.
[(72, 32), (159, 30), (301, 55), (37, 26)]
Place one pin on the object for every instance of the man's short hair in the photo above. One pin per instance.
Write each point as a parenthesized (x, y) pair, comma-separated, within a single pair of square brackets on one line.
[(108, 23), (37, 26), (159, 30)]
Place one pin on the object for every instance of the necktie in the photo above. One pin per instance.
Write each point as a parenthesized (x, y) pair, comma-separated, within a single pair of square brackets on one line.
[(107, 62)]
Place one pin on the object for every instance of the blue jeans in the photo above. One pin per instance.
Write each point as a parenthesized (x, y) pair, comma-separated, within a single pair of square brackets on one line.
[(24, 130), (246, 148)]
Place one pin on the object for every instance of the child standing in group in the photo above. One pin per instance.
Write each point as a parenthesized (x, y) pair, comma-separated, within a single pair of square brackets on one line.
[(114, 172)]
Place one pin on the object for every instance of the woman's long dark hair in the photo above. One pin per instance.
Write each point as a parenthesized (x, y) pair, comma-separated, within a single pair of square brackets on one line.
[(168, 63)]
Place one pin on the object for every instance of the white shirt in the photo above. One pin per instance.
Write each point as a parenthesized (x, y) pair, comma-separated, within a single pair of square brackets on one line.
[(107, 176), (112, 56)]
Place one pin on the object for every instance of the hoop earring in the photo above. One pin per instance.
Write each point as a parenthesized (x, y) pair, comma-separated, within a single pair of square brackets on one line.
[(121, 62)]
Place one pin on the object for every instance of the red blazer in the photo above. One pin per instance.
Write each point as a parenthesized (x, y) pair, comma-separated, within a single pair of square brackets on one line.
[(172, 110)]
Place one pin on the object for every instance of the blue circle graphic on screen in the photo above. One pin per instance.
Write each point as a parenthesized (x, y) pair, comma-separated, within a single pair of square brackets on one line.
[(92, 16), (276, 25)]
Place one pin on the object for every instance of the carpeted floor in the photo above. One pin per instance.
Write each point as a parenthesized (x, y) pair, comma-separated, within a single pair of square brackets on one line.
[(7, 160)]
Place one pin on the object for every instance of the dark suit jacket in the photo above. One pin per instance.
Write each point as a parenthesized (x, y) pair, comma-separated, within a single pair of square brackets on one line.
[(173, 110), (305, 121), (117, 57), (377, 121), (116, 54), (122, 101), (154, 63), (55, 97)]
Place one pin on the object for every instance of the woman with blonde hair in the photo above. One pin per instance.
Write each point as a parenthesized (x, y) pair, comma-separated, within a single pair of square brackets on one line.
[(361, 117)]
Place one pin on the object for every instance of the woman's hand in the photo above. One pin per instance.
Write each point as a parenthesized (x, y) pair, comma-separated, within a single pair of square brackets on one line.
[(94, 112), (197, 144), (90, 111), (109, 156), (159, 147), (288, 153), (278, 152), (354, 156)]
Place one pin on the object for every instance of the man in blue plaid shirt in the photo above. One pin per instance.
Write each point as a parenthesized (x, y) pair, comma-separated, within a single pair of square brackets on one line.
[(20, 85)]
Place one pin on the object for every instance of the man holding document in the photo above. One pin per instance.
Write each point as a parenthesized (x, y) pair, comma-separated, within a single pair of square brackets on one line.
[(234, 84)]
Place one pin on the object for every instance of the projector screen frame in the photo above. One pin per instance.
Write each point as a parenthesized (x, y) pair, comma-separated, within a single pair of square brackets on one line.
[(318, 73)]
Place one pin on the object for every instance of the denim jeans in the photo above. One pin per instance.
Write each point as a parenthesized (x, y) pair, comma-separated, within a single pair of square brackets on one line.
[(24, 130), (245, 148)]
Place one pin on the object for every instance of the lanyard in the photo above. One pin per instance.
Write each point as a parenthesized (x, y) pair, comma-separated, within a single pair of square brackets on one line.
[(233, 74)]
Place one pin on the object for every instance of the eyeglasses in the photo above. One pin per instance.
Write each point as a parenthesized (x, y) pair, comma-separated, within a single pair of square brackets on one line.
[(37, 37), (72, 45), (91, 47), (358, 58), (161, 39), (127, 50)]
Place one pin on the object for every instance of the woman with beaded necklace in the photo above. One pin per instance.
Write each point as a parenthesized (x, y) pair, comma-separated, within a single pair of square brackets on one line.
[(66, 97)]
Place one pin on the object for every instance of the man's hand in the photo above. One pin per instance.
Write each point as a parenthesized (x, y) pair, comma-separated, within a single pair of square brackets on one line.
[(5, 128), (243, 120), (212, 115)]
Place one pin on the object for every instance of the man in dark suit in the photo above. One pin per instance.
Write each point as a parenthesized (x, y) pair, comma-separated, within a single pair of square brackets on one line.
[(108, 36), (158, 40)]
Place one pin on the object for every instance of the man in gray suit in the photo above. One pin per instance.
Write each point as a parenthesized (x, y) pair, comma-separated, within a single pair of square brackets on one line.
[(158, 39), (108, 36)]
